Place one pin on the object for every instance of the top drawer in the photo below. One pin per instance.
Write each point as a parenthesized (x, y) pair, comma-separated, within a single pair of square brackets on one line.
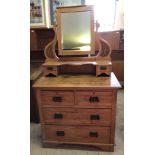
[(57, 98), (94, 98)]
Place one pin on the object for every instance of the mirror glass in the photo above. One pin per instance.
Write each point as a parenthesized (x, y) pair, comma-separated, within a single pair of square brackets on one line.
[(76, 31)]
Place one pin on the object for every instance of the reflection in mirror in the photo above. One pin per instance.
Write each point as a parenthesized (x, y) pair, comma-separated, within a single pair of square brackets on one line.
[(76, 31)]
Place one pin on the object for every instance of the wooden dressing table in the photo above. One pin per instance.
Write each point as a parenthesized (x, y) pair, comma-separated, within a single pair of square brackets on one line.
[(77, 95)]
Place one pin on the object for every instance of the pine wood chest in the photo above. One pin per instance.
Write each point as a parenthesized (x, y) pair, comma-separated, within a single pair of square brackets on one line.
[(78, 109)]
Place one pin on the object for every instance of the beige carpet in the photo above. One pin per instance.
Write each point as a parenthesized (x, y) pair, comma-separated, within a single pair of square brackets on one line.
[(36, 147)]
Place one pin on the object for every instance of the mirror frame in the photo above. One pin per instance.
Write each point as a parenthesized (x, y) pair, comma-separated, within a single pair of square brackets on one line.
[(72, 9)]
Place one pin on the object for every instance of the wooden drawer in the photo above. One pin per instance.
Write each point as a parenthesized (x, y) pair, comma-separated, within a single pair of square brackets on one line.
[(70, 116), (57, 98), (50, 69), (77, 134), (94, 99), (100, 69)]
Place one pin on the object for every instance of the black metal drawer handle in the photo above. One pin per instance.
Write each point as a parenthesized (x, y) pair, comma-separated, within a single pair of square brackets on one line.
[(57, 99), (93, 99), (103, 67), (95, 117), (93, 134), (60, 133), (58, 116)]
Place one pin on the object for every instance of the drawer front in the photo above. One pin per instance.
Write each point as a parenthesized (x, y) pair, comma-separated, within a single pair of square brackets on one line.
[(58, 115), (94, 117), (94, 99), (77, 134), (103, 69), (50, 71), (78, 116), (57, 98)]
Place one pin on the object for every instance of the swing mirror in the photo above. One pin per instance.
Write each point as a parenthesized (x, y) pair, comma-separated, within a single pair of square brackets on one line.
[(75, 29)]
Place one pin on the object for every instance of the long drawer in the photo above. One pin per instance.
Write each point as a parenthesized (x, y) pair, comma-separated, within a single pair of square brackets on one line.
[(77, 116), (77, 134), (57, 98), (94, 98)]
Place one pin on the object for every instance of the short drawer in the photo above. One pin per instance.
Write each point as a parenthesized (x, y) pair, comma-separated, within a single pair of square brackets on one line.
[(50, 71), (57, 98), (77, 134), (58, 115), (94, 99), (70, 116)]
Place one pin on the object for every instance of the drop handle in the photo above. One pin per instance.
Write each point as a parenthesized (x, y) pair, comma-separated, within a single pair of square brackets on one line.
[(49, 68), (57, 99), (93, 99), (93, 134), (58, 116), (94, 117), (103, 67), (60, 133)]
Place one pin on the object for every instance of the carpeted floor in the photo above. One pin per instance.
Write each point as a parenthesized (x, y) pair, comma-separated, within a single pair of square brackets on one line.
[(36, 147)]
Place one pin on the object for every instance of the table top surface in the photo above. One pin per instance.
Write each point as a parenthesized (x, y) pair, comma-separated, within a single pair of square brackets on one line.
[(78, 81), (35, 71)]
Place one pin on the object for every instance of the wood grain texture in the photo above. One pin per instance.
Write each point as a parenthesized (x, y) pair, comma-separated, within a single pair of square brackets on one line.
[(79, 134), (92, 146), (79, 81), (104, 98), (80, 62), (83, 148), (65, 98), (107, 69), (37, 46), (113, 37), (77, 67), (71, 116), (39, 38), (118, 69), (74, 113)]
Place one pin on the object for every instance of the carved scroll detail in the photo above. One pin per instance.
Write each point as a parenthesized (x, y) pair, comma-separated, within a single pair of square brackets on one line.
[(49, 50), (104, 47)]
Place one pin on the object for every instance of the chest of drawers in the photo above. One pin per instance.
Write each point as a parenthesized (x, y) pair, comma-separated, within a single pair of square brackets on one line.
[(78, 110)]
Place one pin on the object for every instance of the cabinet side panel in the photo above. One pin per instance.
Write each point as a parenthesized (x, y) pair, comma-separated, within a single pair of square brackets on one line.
[(113, 116)]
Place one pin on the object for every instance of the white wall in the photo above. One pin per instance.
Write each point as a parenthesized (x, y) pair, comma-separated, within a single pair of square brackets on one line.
[(119, 22)]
